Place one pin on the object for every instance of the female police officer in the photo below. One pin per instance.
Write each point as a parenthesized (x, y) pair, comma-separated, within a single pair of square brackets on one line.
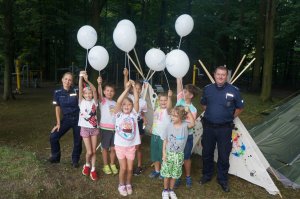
[(66, 102)]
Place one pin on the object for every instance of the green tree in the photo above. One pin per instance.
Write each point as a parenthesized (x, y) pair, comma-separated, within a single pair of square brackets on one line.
[(269, 50)]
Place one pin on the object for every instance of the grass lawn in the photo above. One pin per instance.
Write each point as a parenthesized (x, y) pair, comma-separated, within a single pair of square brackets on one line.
[(25, 173)]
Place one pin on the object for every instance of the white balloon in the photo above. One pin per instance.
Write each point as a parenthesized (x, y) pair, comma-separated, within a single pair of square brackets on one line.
[(98, 57), (155, 59), (184, 25), (87, 36), (177, 63), (128, 23), (124, 37)]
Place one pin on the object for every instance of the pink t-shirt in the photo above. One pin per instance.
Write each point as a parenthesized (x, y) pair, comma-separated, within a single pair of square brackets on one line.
[(107, 108)]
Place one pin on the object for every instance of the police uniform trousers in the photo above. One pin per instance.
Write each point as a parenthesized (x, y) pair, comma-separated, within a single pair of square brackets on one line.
[(68, 122), (220, 135)]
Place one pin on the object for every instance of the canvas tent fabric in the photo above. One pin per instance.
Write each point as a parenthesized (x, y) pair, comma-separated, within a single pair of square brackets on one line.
[(278, 137), (246, 160)]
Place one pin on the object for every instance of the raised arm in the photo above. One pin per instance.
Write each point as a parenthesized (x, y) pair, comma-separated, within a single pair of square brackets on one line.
[(121, 97), (136, 97), (191, 123), (125, 73), (169, 102), (179, 85), (80, 86), (100, 93)]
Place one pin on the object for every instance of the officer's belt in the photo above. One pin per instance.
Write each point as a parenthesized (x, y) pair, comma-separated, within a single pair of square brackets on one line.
[(207, 123)]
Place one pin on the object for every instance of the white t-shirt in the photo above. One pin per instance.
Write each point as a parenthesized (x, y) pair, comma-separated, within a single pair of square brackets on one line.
[(142, 105), (161, 120), (127, 131), (107, 108), (88, 114)]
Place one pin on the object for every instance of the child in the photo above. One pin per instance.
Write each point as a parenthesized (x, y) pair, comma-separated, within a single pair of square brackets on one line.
[(175, 138), (127, 136), (184, 98), (142, 121), (107, 126), (88, 122), (161, 119)]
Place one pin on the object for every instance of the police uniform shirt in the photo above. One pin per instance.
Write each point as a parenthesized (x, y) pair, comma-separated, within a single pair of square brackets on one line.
[(221, 102), (67, 100)]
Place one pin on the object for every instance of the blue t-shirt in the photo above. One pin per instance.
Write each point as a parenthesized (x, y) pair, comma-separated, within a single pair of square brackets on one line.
[(221, 102)]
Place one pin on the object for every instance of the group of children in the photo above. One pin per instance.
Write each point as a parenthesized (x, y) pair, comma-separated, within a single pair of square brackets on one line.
[(122, 127)]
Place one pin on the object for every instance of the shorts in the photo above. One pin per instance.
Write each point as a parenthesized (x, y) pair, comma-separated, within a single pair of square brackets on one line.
[(107, 138), (156, 148), (127, 152), (141, 129), (86, 132), (188, 147), (172, 167)]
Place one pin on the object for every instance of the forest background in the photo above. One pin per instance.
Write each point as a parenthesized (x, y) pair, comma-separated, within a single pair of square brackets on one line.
[(42, 35)]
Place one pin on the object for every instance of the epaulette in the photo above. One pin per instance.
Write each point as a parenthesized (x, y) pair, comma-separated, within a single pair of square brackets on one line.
[(57, 90)]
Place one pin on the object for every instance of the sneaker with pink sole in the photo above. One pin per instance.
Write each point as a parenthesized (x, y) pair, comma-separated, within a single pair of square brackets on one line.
[(122, 190), (129, 189)]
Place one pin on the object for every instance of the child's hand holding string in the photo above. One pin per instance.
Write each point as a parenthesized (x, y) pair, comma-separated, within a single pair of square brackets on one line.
[(170, 93), (99, 80)]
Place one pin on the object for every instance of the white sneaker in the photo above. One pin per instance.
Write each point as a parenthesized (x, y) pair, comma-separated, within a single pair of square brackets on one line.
[(122, 190), (129, 189), (165, 194), (172, 195)]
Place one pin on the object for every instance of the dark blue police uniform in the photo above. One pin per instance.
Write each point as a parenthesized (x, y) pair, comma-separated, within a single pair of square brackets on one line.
[(68, 103), (221, 103)]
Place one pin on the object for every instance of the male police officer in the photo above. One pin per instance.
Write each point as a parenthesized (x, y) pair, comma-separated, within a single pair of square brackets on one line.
[(222, 103)]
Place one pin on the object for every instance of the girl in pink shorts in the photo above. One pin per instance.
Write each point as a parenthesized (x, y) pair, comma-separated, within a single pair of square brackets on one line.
[(127, 136), (88, 122)]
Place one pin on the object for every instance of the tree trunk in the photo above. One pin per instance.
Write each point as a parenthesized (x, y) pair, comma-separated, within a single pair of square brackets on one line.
[(259, 46), (224, 40), (162, 23), (96, 9), (8, 34), (269, 51)]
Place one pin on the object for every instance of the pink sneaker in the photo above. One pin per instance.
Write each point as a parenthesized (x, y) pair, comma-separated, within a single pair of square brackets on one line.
[(129, 189), (122, 190), (86, 170)]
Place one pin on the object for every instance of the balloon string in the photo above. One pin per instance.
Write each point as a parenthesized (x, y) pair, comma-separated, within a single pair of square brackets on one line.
[(128, 67), (182, 88), (99, 74), (179, 43), (86, 59), (167, 80)]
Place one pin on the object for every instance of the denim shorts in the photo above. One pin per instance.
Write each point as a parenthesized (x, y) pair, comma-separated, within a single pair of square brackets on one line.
[(188, 147)]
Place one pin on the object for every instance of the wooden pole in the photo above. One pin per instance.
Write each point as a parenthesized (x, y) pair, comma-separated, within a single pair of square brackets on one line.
[(148, 74), (237, 68), (141, 73), (137, 58), (151, 76), (206, 71), (243, 71)]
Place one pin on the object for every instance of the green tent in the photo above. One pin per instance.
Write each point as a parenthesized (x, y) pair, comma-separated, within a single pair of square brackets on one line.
[(279, 140)]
